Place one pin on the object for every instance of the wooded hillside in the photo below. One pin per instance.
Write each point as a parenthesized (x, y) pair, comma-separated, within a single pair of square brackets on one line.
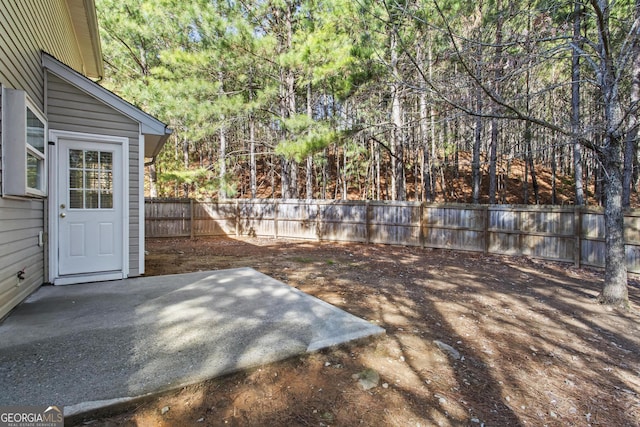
[(452, 183), (461, 101)]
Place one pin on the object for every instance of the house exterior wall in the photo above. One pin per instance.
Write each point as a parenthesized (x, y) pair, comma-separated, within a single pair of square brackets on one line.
[(20, 224), (67, 31), (26, 28), (21, 221), (70, 109), (0, 139)]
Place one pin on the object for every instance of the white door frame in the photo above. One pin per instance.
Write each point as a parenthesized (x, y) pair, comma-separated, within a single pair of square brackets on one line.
[(54, 276)]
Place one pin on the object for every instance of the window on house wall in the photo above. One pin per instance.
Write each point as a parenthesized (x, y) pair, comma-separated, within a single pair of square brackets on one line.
[(24, 146), (35, 150)]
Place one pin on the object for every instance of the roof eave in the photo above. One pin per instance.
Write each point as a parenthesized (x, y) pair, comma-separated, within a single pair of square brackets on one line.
[(96, 45), (85, 22), (149, 125), (154, 143)]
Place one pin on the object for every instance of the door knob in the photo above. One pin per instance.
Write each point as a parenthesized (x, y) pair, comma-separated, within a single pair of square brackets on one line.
[(62, 215)]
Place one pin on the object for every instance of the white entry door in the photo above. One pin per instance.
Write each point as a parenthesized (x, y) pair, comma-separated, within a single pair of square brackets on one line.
[(90, 205)]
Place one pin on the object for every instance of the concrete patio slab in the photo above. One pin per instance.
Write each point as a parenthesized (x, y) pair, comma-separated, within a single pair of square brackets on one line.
[(93, 345)]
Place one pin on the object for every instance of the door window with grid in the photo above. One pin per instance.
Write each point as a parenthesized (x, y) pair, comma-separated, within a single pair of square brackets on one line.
[(90, 179)]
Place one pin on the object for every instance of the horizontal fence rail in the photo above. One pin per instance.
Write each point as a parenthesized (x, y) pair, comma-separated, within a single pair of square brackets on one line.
[(569, 234)]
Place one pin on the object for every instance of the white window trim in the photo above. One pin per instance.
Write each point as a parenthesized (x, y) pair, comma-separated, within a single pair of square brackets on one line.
[(41, 155), (15, 147)]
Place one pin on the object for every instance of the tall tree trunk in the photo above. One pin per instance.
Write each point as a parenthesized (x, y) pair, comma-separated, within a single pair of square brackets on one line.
[(153, 180), (294, 190), (554, 173), (476, 177), (325, 173), (614, 291), (309, 171), (432, 129), (222, 192), (493, 160), (575, 105), (288, 174), (493, 148), (425, 163), (272, 173), (397, 128), (252, 157), (528, 135), (532, 168), (371, 172), (442, 165), (444, 183), (325, 151), (222, 160), (378, 174), (185, 162), (337, 187), (345, 178), (477, 139), (417, 194), (598, 182), (253, 172), (631, 143), (427, 187), (525, 180), (285, 178)]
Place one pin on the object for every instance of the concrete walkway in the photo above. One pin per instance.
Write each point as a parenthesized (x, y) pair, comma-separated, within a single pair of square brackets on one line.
[(94, 345)]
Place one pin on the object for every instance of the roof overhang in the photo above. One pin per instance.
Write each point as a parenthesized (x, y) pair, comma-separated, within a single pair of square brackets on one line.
[(155, 132), (85, 24)]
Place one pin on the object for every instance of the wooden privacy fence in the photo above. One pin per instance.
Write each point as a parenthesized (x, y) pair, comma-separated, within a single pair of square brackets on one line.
[(570, 234)]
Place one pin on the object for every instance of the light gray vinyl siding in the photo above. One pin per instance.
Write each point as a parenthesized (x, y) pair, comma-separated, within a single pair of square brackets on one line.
[(20, 224), (26, 28), (70, 109), (0, 139), (134, 207)]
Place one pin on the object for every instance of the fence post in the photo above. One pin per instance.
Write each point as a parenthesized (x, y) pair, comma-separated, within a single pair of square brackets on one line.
[(318, 221), (275, 219), (191, 230), (577, 232), (485, 225), (421, 225), (237, 215), (367, 221)]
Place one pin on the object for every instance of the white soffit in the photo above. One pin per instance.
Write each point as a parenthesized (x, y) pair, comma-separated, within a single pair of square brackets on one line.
[(85, 25)]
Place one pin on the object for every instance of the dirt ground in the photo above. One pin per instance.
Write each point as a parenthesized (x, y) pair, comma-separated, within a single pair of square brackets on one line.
[(527, 343)]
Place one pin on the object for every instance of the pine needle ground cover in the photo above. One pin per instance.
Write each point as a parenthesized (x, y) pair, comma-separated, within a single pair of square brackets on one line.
[(471, 340)]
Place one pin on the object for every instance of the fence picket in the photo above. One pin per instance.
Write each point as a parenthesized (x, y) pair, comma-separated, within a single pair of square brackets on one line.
[(569, 234)]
